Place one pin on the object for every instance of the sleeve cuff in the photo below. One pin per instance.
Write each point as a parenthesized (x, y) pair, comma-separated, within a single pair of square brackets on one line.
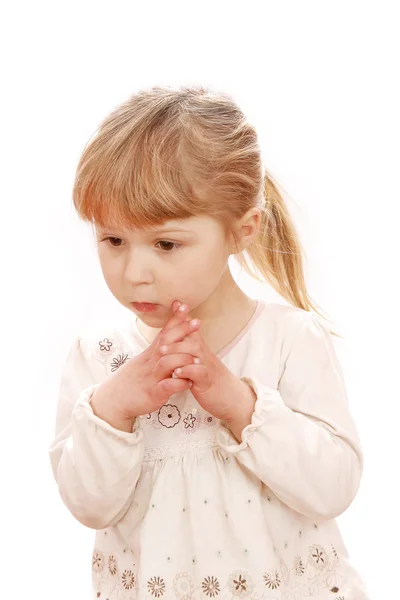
[(84, 411), (267, 399)]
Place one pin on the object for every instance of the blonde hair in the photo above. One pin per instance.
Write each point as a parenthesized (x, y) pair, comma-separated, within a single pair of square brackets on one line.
[(172, 153)]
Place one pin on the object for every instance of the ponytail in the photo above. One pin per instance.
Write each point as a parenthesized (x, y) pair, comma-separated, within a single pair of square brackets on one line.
[(277, 253)]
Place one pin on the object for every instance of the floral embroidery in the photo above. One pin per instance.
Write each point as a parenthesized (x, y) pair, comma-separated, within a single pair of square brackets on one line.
[(156, 586), (105, 344), (112, 353), (209, 420), (183, 586), (189, 421), (128, 579), (272, 580), (169, 415), (210, 586), (240, 584), (305, 578), (318, 557), (118, 361), (112, 565), (298, 566), (195, 425), (97, 561)]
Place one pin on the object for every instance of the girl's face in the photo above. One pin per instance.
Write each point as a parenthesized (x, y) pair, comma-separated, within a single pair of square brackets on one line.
[(184, 260)]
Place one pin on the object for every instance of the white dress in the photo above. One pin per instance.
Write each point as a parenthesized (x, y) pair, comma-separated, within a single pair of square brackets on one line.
[(181, 509)]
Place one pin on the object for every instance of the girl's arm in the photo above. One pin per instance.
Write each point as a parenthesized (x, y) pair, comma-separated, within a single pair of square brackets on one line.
[(302, 442), (95, 465)]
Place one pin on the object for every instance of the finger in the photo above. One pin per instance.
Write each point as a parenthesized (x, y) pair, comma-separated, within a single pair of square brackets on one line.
[(167, 387), (179, 313), (189, 344), (196, 373), (178, 317), (166, 364), (178, 333)]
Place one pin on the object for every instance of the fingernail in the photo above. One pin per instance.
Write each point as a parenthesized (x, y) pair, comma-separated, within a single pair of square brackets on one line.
[(178, 304), (182, 308), (190, 383), (194, 322), (197, 361)]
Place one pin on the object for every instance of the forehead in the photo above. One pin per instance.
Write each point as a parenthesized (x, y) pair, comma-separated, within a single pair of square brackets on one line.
[(188, 225)]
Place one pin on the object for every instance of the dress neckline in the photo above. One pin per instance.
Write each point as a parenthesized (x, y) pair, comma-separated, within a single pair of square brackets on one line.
[(260, 306)]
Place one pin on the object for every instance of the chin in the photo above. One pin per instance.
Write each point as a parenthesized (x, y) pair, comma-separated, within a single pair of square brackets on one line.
[(157, 318)]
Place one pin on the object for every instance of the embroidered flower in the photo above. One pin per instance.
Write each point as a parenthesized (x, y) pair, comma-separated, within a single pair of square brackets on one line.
[(169, 415), (105, 344), (118, 361), (156, 586), (189, 421), (112, 565), (97, 561), (211, 587), (240, 584), (272, 580), (318, 557), (298, 566), (192, 422), (128, 579), (209, 420), (183, 586)]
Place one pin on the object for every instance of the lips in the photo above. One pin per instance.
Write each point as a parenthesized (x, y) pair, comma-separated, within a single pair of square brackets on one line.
[(144, 306)]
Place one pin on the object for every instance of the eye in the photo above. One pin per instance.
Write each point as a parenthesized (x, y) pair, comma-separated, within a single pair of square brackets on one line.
[(109, 241), (174, 245)]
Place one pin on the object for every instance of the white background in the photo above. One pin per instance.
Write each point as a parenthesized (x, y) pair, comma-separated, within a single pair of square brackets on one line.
[(318, 79)]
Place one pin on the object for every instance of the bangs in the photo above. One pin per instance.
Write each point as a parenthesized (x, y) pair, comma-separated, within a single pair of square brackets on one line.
[(128, 180)]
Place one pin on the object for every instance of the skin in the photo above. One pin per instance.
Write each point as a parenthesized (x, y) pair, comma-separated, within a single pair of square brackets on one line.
[(190, 267)]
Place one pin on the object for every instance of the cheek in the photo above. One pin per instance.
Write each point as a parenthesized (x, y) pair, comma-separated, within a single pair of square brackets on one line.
[(203, 271), (109, 274), (196, 280)]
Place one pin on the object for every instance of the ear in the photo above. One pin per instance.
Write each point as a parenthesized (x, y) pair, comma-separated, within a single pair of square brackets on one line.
[(246, 229)]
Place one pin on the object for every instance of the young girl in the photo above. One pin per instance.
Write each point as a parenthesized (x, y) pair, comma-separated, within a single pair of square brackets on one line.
[(208, 441)]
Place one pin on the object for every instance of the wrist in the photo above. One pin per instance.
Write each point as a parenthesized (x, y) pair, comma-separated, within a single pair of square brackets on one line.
[(102, 408), (244, 410)]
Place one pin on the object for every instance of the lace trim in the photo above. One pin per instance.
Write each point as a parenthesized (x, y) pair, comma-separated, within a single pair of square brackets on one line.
[(159, 452)]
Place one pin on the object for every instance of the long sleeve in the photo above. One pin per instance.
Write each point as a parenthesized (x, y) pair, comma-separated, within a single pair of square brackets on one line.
[(95, 466), (302, 442)]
